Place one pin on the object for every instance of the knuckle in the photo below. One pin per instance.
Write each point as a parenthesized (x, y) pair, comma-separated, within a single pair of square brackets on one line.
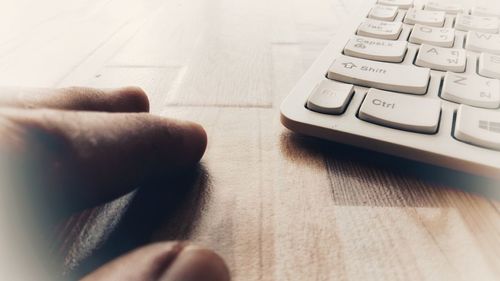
[(35, 135)]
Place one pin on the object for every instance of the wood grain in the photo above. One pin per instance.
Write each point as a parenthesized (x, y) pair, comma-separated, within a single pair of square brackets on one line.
[(275, 205)]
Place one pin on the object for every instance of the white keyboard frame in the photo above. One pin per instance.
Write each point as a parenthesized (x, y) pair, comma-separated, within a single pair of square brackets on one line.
[(440, 149)]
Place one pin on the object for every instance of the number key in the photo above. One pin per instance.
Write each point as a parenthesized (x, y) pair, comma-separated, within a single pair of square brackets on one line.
[(430, 18), (475, 23), (485, 12), (449, 8)]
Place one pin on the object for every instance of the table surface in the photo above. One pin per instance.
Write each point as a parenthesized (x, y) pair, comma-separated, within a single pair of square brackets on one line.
[(275, 205)]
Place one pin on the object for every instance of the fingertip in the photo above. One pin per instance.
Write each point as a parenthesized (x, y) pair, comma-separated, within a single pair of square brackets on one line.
[(195, 142), (130, 99), (165, 261), (195, 263), (202, 137)]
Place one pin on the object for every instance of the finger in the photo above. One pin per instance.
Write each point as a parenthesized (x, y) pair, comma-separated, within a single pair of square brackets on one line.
[(92, 157), (171, 261), (128, 99)]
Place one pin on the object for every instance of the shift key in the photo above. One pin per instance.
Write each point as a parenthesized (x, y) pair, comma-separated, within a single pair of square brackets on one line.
[(386, 76)]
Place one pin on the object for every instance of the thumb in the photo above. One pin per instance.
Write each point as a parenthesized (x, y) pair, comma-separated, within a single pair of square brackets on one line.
[(169, 261)]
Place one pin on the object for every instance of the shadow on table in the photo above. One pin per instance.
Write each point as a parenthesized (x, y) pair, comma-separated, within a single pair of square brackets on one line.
[(362, 177), (131, 221)]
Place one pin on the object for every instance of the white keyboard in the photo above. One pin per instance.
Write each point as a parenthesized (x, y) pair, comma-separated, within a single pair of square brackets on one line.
[(416, 80)]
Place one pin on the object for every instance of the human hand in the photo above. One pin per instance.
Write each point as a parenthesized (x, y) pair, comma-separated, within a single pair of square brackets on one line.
[(80, 147)]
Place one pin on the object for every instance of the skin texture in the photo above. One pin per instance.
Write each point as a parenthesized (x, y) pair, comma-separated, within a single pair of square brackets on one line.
[(78, 147), (170, 261)]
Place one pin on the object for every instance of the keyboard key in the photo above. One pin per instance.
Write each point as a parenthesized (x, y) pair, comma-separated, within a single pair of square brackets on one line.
[(437, 36), (444, 59), (403, 4), (424, 17), (485, 12), (398, 111), (477, 126), (376, 49), (386, 76), (330, 97), (475, 23), (483, 42), (380, 29), (472, 90), (385, 13), (489, 65), (449, 8)]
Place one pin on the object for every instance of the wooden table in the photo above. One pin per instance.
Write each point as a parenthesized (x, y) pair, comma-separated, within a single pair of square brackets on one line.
[(275, 205)]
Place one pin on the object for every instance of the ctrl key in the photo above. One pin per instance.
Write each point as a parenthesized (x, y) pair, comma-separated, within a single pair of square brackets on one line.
[(476, 126), (400, 111), (330, 97)]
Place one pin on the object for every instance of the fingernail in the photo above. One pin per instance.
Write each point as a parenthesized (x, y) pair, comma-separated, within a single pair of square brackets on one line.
[(196, 264)]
